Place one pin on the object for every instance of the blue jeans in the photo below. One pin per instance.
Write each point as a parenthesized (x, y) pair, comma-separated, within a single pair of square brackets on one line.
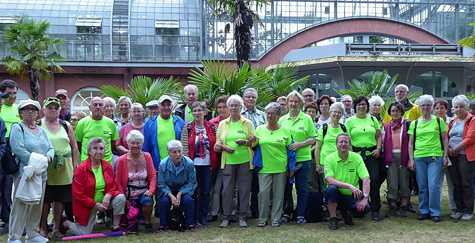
[(301, 184), (345, 202), (203, 179), (187, 204), (428, 175)]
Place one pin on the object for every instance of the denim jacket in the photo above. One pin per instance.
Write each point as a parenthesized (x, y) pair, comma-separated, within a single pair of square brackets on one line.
[(173, 179)]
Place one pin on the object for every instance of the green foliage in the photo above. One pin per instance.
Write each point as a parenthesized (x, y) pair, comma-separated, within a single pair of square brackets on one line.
[(372, 83), (143, 89), (470, 40), (470, 96), (35, 55), (218, 78)]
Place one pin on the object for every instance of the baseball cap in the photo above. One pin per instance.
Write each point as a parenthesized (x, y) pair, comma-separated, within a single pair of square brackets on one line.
[(152, 103), (165, 97), (51, 100), (25, 103), (61, 92)]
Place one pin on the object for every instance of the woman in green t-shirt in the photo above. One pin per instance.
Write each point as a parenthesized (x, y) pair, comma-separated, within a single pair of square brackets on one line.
[(365, 132), (428, 155), (273, 141), (235, 137)]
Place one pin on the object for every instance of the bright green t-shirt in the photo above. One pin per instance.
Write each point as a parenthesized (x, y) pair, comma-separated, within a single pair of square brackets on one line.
[(57, 174), (188, 114), (236, 131), (10, 115), (301, 128), (100, 184), (273, 148), (363, 131), (348, 171), (88, 128), (165, 133), (427, 137), (329, 142)]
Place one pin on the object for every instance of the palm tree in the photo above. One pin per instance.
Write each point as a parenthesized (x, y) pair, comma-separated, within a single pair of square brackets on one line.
[(371, 83), (143, 89), (243, 20), (35, 54), (470, 40)]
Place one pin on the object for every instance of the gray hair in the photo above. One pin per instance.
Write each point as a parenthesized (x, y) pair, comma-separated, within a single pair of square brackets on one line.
[(174, 144), (461, 100), (344, 134), (250, 90), (376, 99), (134, 135), (296, 94), (337, 106), (136, 106), (345, 97), (403, 86), (273, 106), (126, 99), (425, 99), (109, 100), (190, 87), (93, 142), (309, 90), (234, 98)]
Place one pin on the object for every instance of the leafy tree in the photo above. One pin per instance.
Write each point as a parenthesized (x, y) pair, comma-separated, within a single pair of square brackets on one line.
[(243, 20), (470, 40), (143, 89), (35, 54), (372, 83)]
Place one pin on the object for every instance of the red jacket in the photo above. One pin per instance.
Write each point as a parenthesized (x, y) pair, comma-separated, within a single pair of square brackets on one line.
[(122, 173), (211, 133), (468, 136), (84, 188)]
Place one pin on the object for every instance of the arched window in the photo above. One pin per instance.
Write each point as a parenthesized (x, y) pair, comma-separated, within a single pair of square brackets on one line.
[(82, 99)]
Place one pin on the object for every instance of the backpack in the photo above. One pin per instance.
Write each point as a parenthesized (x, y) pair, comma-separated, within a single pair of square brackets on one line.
[(440, 135), (10, 165), (325, 130), (177, 219)]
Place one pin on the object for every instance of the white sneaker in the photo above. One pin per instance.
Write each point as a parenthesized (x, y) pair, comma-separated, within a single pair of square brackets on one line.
[(456, 215), (37, 239), (14, 241), (467, 216)]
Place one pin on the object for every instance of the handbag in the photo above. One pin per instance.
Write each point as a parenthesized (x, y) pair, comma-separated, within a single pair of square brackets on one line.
[(10, 165)]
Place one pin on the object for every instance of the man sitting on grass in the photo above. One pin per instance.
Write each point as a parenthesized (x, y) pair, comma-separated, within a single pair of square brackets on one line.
[(343, 171)]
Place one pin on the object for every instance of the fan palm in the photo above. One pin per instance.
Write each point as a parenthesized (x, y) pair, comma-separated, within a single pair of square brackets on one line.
[(372, 83), (143, 89), (470, 40)]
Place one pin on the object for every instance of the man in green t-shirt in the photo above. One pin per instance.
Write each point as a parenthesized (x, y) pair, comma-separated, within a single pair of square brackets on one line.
[(343, 170), (97, 125)]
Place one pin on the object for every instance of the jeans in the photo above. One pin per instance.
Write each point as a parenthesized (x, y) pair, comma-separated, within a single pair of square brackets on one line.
[(301, 184), (461, 173), (203, 178), (428, 174), (6, 184), (345, 202), (187, 204), (254, 194)]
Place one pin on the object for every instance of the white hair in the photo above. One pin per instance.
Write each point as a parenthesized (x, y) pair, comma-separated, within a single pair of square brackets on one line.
[(109, 100), (375, 99), (135, 135), (347, 97), (309, 90), (234, 98), (93, 142), (137, 106), (425, 99), (190, 87), (249, 90), (403, 86), (337, 106), (174, 144), (296, 94), (273, 106), (461, 100), (126, 99)]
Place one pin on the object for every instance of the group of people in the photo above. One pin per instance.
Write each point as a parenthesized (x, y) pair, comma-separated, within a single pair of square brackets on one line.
[(237, 161)]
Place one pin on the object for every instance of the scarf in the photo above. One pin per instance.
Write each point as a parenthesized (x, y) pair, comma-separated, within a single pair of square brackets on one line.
[(396, 124)]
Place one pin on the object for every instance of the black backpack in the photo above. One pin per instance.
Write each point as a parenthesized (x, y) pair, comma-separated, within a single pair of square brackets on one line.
[(325, 129), (10, 164), (177, 219)]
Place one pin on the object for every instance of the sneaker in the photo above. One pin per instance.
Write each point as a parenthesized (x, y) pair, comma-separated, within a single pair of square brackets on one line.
[(224, 223), (423, 216), (467, 216), (275, 224), (37, 239), (333, 223), (242, 223), (436, 219), (212, 218), (163, 228), (375, 216), (14, 241), (285, 219), (301, 220), (347, 218), (261, 224), (456, 215)]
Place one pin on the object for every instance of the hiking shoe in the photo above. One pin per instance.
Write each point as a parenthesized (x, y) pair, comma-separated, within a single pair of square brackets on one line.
[(456, 215), (436, 219), (275, 224), (333, 223), (467, 216), (224, 223), (242, 223), (285, 219), (261, 224), (301, 220), (347, 218)]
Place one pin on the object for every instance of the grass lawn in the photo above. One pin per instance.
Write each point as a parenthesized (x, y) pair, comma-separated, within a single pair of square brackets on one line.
[(389, 230)]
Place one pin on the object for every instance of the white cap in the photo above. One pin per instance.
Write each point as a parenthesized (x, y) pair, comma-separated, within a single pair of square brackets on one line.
[(152, 103), (165, 97), (25, 103)]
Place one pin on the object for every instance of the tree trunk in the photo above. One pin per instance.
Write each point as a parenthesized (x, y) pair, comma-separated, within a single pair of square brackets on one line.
[(34, 84), (242, 32)]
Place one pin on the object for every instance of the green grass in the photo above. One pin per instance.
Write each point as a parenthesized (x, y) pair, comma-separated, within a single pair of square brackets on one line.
[(389, 230)]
